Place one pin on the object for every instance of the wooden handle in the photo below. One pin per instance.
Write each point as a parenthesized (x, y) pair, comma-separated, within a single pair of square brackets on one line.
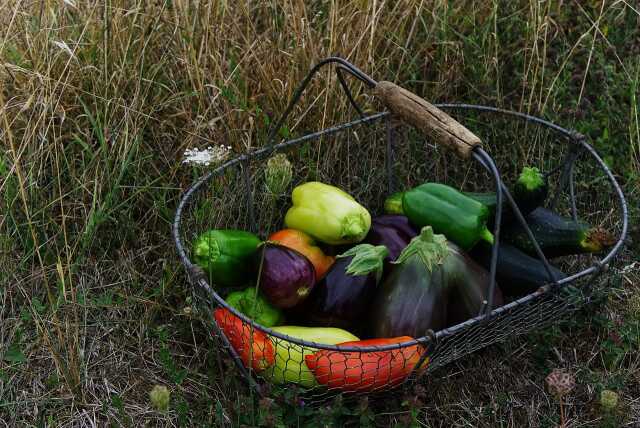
[(428, 118)]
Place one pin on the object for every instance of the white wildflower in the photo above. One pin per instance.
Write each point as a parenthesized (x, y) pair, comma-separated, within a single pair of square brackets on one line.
[(208, 156), (65, 47)]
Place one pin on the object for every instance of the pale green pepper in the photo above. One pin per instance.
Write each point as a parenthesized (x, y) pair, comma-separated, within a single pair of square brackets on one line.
[(328, 214)]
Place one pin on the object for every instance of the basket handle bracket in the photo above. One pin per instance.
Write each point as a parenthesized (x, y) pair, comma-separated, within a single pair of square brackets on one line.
[(428, 118)]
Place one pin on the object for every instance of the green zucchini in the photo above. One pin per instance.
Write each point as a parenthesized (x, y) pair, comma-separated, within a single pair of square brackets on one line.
[(517, 273), (557, 235), (529, 192)]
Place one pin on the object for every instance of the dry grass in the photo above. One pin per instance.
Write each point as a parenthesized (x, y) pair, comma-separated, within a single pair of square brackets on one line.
[(100, 99)]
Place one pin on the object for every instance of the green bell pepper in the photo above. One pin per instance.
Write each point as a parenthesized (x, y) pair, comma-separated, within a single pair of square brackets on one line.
[(225, 255), (253, 304), (328, 214), (460, 218)]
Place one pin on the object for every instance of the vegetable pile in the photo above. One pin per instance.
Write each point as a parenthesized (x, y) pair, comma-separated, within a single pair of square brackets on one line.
[(337, 276)]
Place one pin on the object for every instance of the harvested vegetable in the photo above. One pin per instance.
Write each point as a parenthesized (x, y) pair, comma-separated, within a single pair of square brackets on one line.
[(287, 276), (290, 365), (366, 371), (252, 345), (461, 219), (305, 245), (489, 200), (530, 190), (517, 272), (413, 298), (557, 235), (394, 232), (253, 304), (343, 297), (431, 278), (529, 193), (328, 214), (468, 287), (225, 255)]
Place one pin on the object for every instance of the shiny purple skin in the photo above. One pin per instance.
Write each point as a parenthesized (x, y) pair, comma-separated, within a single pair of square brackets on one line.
[(394, 232), (287, 276), (339, 299), (399, 222), (468, 288), (412, 300)]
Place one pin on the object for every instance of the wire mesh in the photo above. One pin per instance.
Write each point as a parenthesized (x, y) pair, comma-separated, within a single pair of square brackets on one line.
[(371, 158)]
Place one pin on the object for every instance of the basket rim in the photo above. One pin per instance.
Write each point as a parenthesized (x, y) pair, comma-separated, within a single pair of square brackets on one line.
[(573, 137)]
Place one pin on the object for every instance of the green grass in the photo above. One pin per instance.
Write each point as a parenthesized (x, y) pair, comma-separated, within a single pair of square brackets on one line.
[(98, 102)]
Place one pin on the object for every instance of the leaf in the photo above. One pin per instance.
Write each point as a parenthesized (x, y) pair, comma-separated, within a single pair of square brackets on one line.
[(284, 131), (14, 355), (38, 306)]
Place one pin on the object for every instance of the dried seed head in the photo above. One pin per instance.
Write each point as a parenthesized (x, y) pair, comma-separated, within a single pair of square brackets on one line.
[(160, 396), (278, 174), (560, 383), (608, 400)]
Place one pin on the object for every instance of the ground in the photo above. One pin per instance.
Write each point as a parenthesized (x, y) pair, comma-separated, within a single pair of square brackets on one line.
[(99, 101)]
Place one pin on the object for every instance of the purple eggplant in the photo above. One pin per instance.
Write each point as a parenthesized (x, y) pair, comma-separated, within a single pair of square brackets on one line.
[(434, 284), (394, 232), (399, 222), (287, 276), (344, 295), (468, 288)]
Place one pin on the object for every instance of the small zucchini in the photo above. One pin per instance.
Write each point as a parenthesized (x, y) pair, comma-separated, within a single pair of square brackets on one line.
[(557, 235), (531, 190), (517, 273), (529, 193)]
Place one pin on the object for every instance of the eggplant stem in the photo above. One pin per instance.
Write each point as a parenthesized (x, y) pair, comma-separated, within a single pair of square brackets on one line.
[(366, 259), (431, 248)]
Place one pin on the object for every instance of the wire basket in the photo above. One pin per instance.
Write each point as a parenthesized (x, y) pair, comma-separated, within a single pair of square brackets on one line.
[(374, 156)]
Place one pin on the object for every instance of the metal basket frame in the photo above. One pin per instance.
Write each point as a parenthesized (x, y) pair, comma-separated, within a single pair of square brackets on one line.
[(204, 292)]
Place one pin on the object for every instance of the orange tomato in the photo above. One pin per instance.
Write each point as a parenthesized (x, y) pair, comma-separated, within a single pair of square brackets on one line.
[(304, 244), (253, 348), (366, 371)]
